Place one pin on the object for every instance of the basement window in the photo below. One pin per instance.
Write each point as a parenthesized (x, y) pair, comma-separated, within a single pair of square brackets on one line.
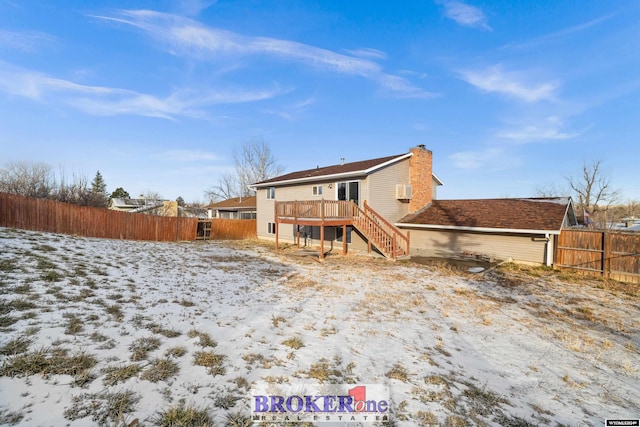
[(271, 228)]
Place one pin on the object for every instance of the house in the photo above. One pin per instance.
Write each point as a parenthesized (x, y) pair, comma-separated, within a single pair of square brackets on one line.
[(193, 212), (234, 208), (389, 205), (524, 230), (146, 206), (348, 204)]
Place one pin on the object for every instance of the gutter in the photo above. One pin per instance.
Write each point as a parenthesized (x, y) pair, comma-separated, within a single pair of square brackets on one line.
[(478, 229)]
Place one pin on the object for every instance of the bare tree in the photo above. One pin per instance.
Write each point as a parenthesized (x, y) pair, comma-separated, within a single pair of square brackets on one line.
[(254, 162), (593, 187), (79, 191), (551, 190), (594, 194), (27, 179), (228, 186)]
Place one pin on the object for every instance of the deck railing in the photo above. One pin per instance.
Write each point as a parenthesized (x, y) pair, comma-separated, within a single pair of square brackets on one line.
[(315, 209), (385, 235)]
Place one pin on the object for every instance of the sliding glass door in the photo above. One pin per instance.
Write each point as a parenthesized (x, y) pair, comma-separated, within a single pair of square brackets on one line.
[(349, 190)]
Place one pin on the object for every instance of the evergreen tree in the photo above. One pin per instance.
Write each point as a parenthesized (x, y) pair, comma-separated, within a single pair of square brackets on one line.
[(180, 201), (98, 185), (99, 192), (120, 193)]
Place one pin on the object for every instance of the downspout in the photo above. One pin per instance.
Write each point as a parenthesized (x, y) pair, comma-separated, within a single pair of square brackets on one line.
[(548, 259)]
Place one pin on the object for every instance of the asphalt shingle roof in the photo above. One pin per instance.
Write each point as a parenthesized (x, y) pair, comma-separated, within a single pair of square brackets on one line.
[(331, 170), (235, 202), (521, 214)]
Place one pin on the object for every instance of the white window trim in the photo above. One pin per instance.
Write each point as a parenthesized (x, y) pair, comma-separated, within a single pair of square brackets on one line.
[(316, 191), (269, 189)]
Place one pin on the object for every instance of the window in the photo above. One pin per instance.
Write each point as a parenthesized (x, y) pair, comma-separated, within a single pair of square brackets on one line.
[(271, 228), (317, 190), (339, 235), (271, 192)]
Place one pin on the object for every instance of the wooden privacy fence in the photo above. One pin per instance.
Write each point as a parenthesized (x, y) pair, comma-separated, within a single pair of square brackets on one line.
[(57, 217), (228, 229), (605, 253)]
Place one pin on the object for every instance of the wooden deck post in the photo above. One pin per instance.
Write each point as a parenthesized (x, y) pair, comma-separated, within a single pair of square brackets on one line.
[(322, 228), (395, 247), (344, 239), (408, 243)]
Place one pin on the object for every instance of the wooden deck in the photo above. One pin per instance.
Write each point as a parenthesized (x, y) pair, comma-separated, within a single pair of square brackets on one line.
[(335, 213)]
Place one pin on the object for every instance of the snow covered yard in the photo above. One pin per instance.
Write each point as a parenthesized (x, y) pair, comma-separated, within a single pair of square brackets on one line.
[(108, 332)]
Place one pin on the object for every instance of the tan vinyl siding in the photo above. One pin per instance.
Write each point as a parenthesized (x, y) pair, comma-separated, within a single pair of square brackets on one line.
[(446, 243), (381, 190), (265, 212)]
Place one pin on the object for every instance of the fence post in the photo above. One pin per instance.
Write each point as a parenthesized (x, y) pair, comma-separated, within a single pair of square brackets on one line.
[(606, 254)]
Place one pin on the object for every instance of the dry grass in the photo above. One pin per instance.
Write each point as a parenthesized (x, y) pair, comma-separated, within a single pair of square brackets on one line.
[(323, 371), (212, 361), (118, 374), (176, 352), (16, 346), (295, 343), (141, 347), (183, 416), (160, 370), (398, 372), (204, 339), (47, 363), (105, 409)]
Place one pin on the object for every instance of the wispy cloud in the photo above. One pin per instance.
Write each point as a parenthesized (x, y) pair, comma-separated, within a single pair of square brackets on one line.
[(562, 33), (107, 101), (551, 128), (186, 37), (26, 41), (465, 15), (513, 84), (193, 7), (291, 111), (367, 52)]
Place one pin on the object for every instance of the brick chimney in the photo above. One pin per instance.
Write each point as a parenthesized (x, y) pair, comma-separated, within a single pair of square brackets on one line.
[(420, 172)]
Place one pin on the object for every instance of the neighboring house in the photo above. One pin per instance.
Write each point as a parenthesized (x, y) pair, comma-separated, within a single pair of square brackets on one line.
[(524, 230), (193, 212), (349, 203), (234, 208), (147, 206)]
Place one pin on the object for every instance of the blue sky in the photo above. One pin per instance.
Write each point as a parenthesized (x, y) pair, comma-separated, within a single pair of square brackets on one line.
[(510, 96)]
